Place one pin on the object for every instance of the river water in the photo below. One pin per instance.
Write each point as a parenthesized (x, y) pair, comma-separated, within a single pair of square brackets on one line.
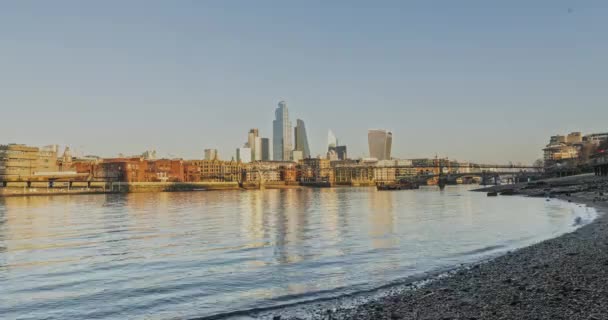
[(199, 254)]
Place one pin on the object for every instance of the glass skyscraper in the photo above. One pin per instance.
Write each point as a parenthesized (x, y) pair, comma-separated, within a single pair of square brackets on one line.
[(380, 142), (301, 139), (282, 144), (332, 141), (265, 149)]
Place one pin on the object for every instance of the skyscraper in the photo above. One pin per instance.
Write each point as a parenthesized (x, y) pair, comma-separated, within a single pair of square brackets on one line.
[(257, 150), (243, 155), (265, 150), (335, 151), (281, 133), (332, 141), (253, 134), (211, 154), (301, 139), (380, 142)]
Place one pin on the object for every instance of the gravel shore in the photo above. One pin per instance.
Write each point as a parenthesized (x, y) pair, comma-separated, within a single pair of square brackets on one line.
[(560, 278)]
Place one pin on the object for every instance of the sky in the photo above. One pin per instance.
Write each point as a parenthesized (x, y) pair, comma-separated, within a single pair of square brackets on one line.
[(481, 81)]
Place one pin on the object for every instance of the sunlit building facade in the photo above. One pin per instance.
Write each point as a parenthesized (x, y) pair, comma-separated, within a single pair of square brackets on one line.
[(380, 143)]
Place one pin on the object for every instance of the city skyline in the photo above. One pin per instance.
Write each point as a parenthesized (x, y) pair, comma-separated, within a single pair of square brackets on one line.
[(211, 71)]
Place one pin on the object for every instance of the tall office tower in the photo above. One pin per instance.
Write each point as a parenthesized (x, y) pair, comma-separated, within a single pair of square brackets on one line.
[(243, 155), (211, 154), (253, 134), (332, 141), (257, 149), (265, 150), (281, 133), (380, 142), (301, 139)]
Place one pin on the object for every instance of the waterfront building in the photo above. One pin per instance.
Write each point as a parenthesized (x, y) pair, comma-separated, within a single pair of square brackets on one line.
[(352, 172), (281, 133), (251, 142), (265, 149), (380, 143), (385, 171), (165, 170), (270, 171), (571, 150), (136, 169), (211, 154), (192, 170), (301, 139), (596, 138), (316, 170), (243, 155), (220, 171), (18, 161), (297, 155)]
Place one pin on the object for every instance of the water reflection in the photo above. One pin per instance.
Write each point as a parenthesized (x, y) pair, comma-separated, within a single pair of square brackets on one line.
[(195, 254)]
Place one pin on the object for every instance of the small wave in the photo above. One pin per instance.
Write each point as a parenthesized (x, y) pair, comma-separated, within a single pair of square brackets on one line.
[(479, 250)]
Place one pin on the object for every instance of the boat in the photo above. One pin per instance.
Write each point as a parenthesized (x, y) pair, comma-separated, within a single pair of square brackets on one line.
[(398, 185), (492, 194)]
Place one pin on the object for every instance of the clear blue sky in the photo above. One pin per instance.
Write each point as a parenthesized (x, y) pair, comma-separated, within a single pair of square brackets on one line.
[(473, 80)]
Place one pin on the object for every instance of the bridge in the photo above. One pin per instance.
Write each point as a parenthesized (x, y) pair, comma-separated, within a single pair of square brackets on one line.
[(489, 173)]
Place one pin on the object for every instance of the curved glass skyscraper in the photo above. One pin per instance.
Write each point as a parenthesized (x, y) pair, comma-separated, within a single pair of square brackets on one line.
[(301, 139), (380, 142)]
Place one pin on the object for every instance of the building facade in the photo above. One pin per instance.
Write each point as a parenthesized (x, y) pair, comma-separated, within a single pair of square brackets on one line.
[(281, 133), (315, 170), (301, 139), (18, 161), (380, 143), (220, 171), (265, 152), (251, 142), (270, 171), (571, 150)]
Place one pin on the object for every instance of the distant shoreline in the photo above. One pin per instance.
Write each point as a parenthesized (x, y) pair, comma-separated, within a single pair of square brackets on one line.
[(135, 187), (560, 278)]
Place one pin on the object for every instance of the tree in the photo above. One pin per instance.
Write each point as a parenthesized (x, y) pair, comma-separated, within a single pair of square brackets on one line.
[(539, 164)]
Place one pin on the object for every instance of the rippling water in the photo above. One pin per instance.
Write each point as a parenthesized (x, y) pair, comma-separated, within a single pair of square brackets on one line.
[(182, 255)]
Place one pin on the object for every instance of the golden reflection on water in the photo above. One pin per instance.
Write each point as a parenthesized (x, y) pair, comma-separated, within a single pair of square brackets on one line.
[(381, 220)]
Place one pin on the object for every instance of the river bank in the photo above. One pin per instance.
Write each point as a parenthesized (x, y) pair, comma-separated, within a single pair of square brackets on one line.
[(560, 278)]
